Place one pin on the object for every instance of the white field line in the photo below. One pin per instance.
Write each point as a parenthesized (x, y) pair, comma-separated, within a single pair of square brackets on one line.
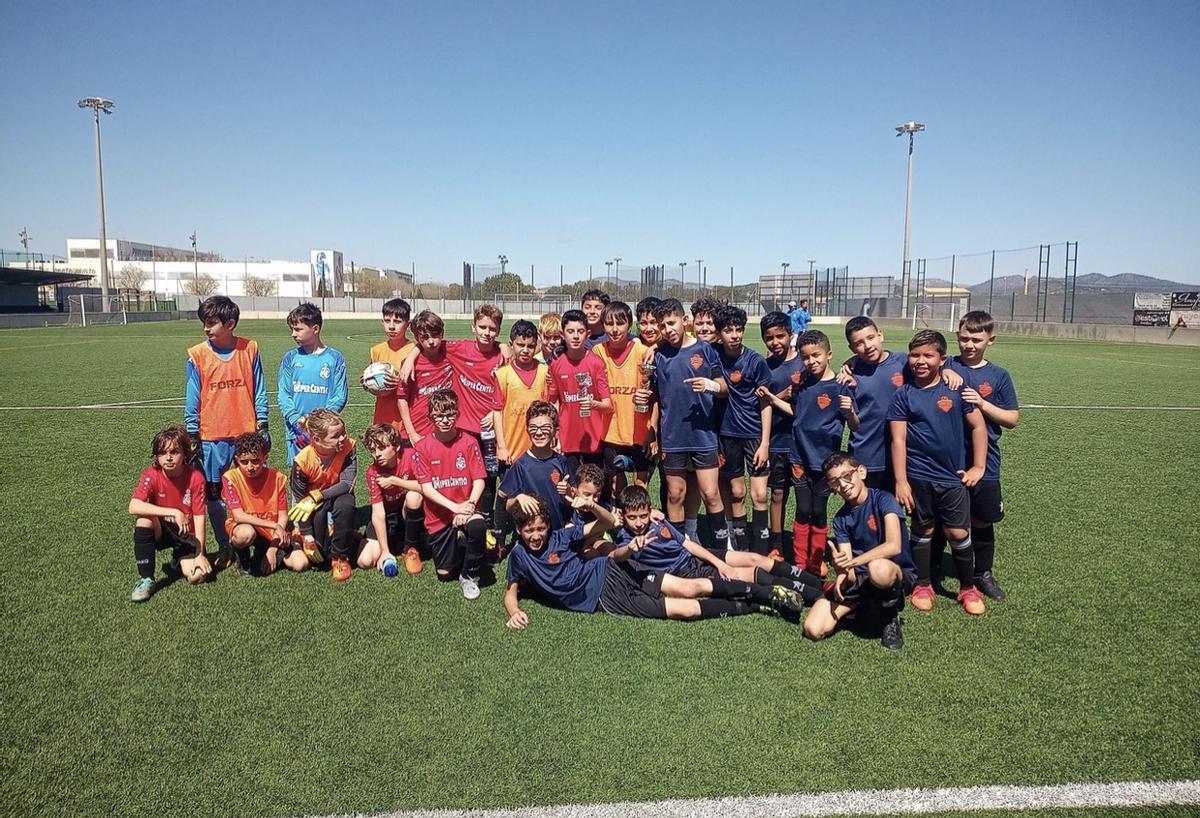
[(1113, 408), (859, 802)]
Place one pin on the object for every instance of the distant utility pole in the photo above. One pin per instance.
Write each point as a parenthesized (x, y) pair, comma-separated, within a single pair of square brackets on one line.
[(24, 236), (98, 104)]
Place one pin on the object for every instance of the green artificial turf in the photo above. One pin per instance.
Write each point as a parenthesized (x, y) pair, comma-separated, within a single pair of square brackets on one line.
[(291, 695)]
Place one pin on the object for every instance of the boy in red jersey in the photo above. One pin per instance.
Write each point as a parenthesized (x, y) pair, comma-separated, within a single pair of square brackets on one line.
[(392, 350), (168, 505), (449, 467), (426, 370), (226, 396), (257, 498), (395, 495), (579, 384)]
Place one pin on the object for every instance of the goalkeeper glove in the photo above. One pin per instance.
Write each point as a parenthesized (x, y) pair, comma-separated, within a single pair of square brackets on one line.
[(304, 509), (197, 451)]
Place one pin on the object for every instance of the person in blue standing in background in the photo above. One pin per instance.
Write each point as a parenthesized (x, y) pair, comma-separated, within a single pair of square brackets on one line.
[(311, 376), (800, 318)]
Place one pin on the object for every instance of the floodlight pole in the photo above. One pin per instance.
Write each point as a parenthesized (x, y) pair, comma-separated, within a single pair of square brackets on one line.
[(909, 128), (812, 282), (608, 272), (98, 104), (617, 274), (196, 266), (700, 276)]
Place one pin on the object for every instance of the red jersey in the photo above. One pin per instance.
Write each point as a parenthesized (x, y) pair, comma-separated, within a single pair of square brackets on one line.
[(474, 382), (568, 383), (451, 468), (185, 492), (427, 377), (392, 498)]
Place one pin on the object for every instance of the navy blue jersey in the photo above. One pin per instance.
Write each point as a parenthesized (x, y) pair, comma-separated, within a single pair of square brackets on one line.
[(531, 475), (558, 573), (741, 412), (784, 374), (818, 424), (935, 445), (664, 549), (862, 527), (687, 423), (994, 385), (870, 443)]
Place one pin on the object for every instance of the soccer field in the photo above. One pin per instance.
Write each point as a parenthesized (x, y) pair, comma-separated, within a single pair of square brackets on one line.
[(291, 695)]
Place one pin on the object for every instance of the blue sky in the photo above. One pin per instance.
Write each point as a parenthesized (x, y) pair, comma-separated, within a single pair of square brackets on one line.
[(569, 133)]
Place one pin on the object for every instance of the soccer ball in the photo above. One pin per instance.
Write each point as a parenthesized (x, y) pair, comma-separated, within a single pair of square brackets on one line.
[(373, 377)]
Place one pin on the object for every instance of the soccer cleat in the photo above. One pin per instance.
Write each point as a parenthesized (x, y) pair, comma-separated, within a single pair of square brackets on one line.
[(412, 562), (972, 601), (786, 601), (341, 570), (470, 588), (892, 638), (143, 590), (312, 550), (987, 583), (922, 598)]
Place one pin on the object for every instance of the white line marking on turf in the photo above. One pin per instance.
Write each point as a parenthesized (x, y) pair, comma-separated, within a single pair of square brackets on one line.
[(1113, 408), (860, 802)]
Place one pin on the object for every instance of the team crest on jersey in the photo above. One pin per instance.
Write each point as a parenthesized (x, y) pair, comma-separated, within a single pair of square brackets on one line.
[(460, 462), (735, 376), (696, 361), (555, 476), (796, 378), (945, 404), (554, 559), (871, 524), (985, 390), (823, 400), (187, 497), (324, 371), (797, 471), (664, 533), (897, 378)]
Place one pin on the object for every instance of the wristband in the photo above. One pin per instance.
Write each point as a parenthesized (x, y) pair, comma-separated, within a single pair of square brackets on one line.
[(711, 386)]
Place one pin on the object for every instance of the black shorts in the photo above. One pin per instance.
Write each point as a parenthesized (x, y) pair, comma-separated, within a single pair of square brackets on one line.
[(883, 480), (637, 459), (779, 471), (987, 505), (854, 597), (449, 550), (737, 455), (678, 462), (394, 520), (183, 546), (696, 568), (632, 589), (936, 504), (577, 459)]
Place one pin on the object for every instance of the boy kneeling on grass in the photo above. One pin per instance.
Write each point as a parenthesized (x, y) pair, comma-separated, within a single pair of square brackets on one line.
[(870, 553), (395, 494), (169, 510), (257, 498), (550, 564)]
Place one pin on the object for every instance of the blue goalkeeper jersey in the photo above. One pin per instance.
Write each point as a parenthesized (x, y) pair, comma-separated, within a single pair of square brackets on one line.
[(310, 381)]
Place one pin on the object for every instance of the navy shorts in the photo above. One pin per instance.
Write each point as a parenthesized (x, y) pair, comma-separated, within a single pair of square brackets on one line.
[(939, 504), (619, 459), (987, 504), (632, 589), (779, 471), (737, 455), (678, 462)]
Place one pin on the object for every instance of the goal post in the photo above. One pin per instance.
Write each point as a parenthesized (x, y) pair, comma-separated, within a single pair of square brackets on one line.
[(88, 311)]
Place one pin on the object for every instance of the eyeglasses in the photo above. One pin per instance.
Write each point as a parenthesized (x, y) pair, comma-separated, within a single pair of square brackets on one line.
[(538, 431), (846, 479), (445, 416)]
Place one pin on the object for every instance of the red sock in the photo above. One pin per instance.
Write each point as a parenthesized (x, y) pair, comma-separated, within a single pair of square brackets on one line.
[(799, 543), (816, 549)]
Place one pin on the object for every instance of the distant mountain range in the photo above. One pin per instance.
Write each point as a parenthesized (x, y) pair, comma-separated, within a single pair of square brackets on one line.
[(1120, 282)]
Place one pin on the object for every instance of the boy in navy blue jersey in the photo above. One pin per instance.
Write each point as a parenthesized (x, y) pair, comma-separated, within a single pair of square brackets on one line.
[(744, 432), (661, 546), (875, 373), (550, 564), (541, 471), (870, 552), (927, 421), (821, 407), (688, 377), (592, 304), (787, 372), (989, 389), (704, 319)]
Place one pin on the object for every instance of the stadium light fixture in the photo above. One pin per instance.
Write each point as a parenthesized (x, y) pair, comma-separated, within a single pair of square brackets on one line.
[(617, 274), (608, 271), (98, 104), (503, 262), (911, 127)]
